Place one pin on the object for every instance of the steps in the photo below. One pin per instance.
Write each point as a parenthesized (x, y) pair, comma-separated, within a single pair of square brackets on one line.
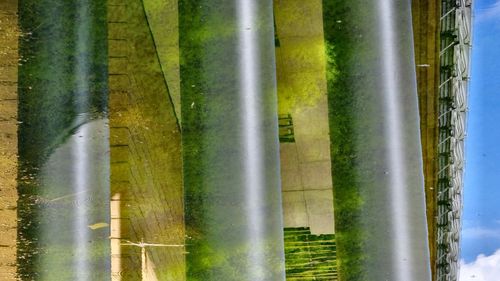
[(309, 257)]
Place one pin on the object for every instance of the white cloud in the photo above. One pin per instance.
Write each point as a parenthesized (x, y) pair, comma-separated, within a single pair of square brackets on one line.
[(484, 268)]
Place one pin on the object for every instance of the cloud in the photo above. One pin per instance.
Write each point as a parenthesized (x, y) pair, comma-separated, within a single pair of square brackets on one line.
[(484, 268)]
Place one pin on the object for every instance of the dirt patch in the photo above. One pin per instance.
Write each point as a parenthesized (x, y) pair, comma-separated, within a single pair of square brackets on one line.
[(8, 138), (425, 27)]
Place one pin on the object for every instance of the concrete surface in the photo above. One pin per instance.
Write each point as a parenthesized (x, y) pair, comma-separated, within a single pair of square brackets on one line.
[(301, 72), (146, 169)]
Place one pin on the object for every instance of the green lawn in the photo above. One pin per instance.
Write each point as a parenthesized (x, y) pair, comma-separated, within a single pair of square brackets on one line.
[(349, 98), (213, 154), (48, 106), (361, 161)]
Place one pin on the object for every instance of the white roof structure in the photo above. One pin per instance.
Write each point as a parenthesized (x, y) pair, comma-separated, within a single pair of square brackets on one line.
[(454, 56)]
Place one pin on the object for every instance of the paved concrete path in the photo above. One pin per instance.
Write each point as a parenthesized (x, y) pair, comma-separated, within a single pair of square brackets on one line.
[(301, 71), (146, 168), (8, 138), (163, 17)]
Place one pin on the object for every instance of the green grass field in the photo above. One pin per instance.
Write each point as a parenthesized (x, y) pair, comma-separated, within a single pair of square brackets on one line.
[(48, 106)]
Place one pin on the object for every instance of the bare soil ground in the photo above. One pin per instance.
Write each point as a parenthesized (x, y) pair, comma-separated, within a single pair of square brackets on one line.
[(425, 28), (8, 138)]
